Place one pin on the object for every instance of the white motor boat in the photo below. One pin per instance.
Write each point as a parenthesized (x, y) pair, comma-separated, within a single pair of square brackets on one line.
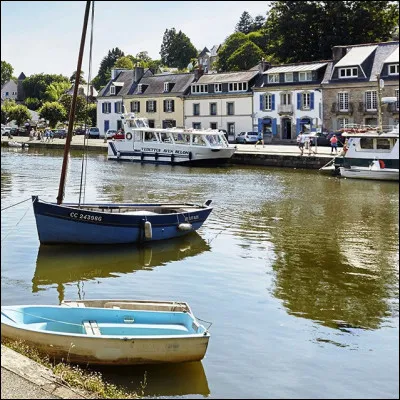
[(375, 171), (170, 145)]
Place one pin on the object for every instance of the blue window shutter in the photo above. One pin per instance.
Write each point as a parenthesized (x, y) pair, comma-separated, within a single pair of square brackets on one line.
[(102, 107), (261, 101), (312, 101), (274, 127), (260, 125), (273, 102), (297, 126), (115, 107), (298, 101)]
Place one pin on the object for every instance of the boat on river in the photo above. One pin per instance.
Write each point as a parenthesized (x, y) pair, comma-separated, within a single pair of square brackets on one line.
[(170, 145), (110, 223), (375, 171), (109, 332), (17, 145)]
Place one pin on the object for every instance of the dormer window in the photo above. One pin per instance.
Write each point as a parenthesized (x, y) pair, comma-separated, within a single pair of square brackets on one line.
[(348, 73), (273, 78), (217, 87), (166, 86), (305, 76), (393, 69), (237, 87), (140, 88), (289, 77), (199, 88), (112, 89)]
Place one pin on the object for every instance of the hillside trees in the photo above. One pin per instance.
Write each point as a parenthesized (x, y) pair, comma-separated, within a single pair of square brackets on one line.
[(108, 62), (124, 62), (53, 112), (19, 114), (36, 85), (82, 80), (6, 72)]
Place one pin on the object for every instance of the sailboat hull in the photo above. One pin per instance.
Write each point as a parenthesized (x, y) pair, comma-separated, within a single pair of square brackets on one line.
[(115, 223)]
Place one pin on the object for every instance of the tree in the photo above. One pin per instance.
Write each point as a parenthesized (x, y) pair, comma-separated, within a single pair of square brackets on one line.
[(55, 90), (5, 110), (36, 85), (245, 57), (232, 43), (108, 62), (6, 72), (54, 112), (82, 80), (258, 23), (176, 49), (80, 108), (144, 58), (91, 114), (19, 114), (124, 62), (32, 103), (245, 23)]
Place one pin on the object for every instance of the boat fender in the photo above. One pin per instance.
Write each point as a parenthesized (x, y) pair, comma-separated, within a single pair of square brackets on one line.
[(381, 164), (142, 156), (190, 155), (128, 136), (156, 156), (172, 157), (118, 155), (185, 226), (148, 233)]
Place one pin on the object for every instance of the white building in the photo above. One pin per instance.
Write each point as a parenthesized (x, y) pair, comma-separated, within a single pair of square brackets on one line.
[(9, 91)]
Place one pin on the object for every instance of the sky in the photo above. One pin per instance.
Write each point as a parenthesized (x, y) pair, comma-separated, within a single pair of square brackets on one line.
[(44, 36)]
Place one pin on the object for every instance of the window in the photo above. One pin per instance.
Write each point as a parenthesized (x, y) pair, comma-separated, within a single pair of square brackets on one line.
[(151, 106), (289, 77), (393, 69), (166, 86), (135, 106), (213, 108), (14, 93), (196, 125), (140, 88), (6, 93), (168, 105), (286, 98), (112, 89), (269, 102), (218, 87), (396, 93), (106, 108), (342, 122), (213, 125), (371, 102), (383, 144), (237, 87), (196, 109), (348, 72), (306, 101), (151, 123), (199, 88), (343, 101), (230, 110), (305, 76), (273, 78), (367, 143), (231, 128), (118, 107)]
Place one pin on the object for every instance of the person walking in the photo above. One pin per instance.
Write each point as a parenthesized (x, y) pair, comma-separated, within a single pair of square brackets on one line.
[(309, 145), (333, 141), (260, 139), (300, 142)]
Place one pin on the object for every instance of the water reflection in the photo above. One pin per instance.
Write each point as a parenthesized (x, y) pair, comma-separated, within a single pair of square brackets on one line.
[(171, 380), (60, 265)]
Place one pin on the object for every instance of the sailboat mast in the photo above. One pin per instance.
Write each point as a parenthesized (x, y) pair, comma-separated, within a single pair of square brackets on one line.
[(73, 106)]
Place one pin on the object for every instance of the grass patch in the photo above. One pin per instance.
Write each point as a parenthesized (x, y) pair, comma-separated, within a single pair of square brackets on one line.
[(73, 375)]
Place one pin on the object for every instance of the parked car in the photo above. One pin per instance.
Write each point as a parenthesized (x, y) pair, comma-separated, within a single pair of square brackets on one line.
[(323, 138), (6, 131), (247, 137), (59, 133), (111, 133), (93, 132), (119, 135), (79, 131)]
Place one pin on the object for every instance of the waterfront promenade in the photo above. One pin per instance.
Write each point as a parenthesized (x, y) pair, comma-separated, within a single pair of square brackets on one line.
[(276, 155)]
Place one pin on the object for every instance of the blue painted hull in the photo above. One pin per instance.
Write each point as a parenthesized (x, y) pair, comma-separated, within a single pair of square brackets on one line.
[(104, 224)]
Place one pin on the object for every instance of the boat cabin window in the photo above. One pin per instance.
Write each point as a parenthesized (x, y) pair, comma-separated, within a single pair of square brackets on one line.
[(131, 124), (198, 140), (181, 138), (137, 136), (367, 143), (150, 137), (165, 138), (214, 140), (142, 123), (383, 143)]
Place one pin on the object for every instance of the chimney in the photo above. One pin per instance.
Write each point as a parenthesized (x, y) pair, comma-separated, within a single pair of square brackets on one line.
[(115, 72), (138, 74), (263, 66), (338, 52), (198, 72)]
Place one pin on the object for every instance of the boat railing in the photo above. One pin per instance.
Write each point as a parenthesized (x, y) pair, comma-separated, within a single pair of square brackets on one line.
[(362, 128)]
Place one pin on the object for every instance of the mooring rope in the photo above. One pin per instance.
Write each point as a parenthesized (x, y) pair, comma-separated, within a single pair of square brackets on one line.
[(8, 234), (23, 201)]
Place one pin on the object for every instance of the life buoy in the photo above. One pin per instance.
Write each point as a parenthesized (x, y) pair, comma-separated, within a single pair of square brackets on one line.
[(381, 164), (128, 136)]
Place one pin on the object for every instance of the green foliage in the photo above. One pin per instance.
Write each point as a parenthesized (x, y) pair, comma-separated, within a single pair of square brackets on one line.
[(144, 58), (245, 57), (55, 90), (245, 23), (306, 31), (19, 114), (124, 62), (176, 49), (232, 43), (6, 72), (36, 85), (32, 103), (259, 38), (91, 113), (5, 110), (80, 108), (108, 62), (82, 80), (54, 112)]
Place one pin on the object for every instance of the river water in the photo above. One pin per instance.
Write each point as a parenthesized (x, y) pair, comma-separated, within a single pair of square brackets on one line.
[(298, 273)]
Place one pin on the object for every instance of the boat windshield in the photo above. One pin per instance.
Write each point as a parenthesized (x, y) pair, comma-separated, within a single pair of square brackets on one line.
[(215, 140)]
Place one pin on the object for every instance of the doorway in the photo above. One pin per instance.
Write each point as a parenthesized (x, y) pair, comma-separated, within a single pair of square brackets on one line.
[(286, 128)]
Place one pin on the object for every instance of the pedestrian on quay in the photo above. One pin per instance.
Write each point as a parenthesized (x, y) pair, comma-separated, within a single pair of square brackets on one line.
[(46, 135), (300, 142), (333, 141), (51, 135), (260, 139), (310, 144)]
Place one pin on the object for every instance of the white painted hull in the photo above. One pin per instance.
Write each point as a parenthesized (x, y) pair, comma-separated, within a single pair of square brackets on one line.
[(366, 173)]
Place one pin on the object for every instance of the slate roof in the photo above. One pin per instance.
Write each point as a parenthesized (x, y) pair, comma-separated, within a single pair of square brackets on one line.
[(155, 84), (394, 57), (21, 76), (355, 56), (204, 52), (243, 76), (294, 68)]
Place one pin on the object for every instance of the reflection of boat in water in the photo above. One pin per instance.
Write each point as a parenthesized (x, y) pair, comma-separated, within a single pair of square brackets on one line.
[(67, 264), (176, 380)]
